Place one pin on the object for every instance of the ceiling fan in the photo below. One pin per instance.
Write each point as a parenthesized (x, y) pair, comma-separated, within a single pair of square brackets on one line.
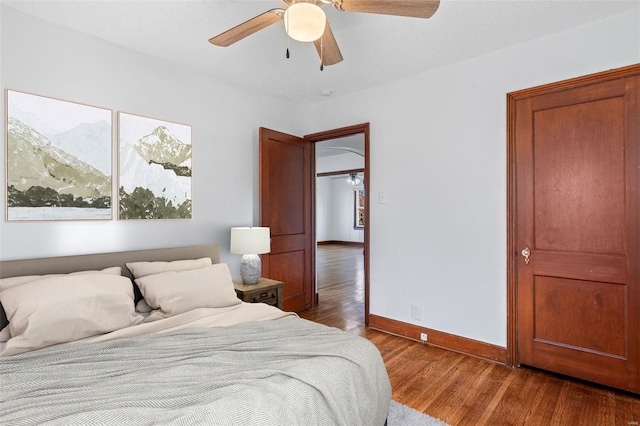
[(305, 21)]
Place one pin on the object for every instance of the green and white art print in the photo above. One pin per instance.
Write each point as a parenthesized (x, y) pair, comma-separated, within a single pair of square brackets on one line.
[(58, 159), (155, 168)]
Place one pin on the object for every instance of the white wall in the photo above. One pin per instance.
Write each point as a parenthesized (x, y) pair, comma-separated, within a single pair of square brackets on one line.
[(47, 59), (324, 208), (335, 210), (334, 199), (335, 163), (438, 147)]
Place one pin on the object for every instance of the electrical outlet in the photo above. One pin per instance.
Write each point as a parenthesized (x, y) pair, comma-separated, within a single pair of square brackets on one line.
[(423, 337)]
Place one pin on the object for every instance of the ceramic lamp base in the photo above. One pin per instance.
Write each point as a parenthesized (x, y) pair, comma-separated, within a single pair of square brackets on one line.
[(250, 268)]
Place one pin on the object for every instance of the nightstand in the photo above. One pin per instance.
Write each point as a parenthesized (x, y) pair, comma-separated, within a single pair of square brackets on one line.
[(266, 291)]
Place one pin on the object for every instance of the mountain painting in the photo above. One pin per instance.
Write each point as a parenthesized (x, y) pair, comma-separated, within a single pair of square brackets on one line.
[(155, 168), (58, 159)]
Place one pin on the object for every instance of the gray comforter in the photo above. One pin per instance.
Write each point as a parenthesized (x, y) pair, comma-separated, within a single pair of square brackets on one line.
[(280, 372)]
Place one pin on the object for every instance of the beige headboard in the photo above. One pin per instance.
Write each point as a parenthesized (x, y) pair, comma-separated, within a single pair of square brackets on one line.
[(83, 262)]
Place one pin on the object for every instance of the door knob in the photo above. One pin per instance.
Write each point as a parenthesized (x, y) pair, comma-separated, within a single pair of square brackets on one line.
[(526, 253)]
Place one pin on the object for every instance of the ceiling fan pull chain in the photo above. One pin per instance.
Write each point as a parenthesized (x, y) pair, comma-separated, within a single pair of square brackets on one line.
[(287, 18), (321, 53)]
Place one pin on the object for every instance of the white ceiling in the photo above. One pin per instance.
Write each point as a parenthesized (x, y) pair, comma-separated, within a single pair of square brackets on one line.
[(377, 48)]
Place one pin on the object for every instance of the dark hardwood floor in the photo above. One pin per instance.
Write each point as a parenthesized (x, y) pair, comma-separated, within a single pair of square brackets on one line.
[(456, 388)]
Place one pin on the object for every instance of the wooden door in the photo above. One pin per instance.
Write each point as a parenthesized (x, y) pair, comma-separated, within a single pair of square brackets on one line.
[(285, 207), (577, 154)]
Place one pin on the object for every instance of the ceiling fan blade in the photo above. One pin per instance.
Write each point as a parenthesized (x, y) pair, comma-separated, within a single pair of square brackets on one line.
[(247, 28), (412, 8), (328, 49)]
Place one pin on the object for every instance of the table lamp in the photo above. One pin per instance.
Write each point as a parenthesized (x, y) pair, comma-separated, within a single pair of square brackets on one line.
[(250, 242)]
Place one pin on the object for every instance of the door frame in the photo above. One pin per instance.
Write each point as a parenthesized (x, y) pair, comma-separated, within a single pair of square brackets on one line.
[(333, 134), (512, 249)]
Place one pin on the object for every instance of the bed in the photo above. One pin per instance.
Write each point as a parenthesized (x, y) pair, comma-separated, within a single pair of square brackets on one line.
[(84, 345)]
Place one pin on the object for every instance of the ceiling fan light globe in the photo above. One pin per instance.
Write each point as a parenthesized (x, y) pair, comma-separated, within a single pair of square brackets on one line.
[(354, 179), (304, 21)]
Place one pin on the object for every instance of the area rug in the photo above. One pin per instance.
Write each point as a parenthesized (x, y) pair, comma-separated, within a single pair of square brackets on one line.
[(401, 415)]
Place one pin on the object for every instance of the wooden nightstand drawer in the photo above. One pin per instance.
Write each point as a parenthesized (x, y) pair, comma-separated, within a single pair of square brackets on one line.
[(266, 291), (268, 297)]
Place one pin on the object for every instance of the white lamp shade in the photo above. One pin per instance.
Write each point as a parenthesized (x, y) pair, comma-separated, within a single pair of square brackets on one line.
[(250, 240), (304, 21)]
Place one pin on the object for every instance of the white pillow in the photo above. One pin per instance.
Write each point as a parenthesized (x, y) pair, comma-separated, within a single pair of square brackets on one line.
[(143, 307), (142, 269), (6, 283), (66, 308), (5, 334), (177, 292)]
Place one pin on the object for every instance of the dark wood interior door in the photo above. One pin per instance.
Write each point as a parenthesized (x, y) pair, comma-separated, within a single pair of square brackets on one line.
[(577, 158), (285, 207)]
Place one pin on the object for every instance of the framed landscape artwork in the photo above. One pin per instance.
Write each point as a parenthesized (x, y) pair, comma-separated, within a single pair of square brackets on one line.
[(154, 168), (358, 220), (58, 159)]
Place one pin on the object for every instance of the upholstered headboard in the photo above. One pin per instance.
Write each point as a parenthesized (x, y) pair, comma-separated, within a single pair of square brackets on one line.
[(67, 264)]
